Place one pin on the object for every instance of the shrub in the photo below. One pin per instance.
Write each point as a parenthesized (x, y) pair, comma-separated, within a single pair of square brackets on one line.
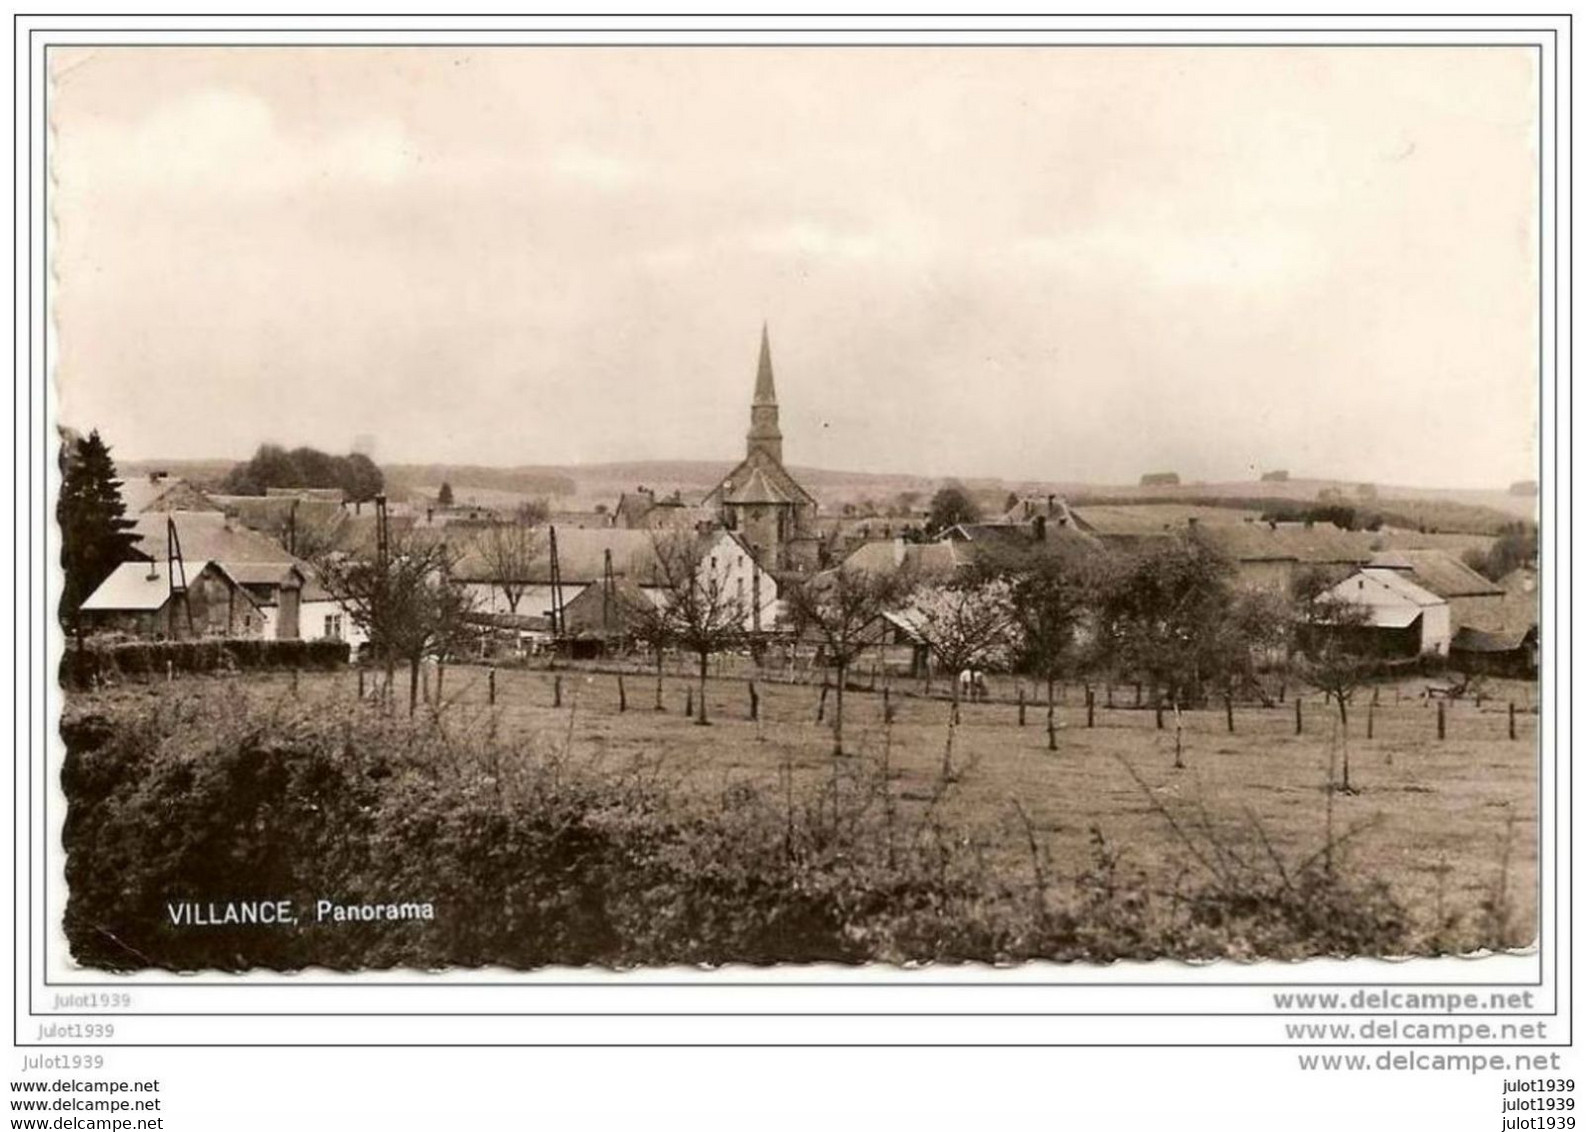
[(530, 858), (81, 665)]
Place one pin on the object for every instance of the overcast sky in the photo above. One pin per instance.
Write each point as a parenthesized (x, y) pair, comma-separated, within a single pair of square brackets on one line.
[(1067, 264)]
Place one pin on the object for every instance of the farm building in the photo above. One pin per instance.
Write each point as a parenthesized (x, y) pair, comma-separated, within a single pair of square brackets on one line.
[(140, 599), (1270, 556), (1502, 638), (759, 499), (1470, 596), (1128, 523), (286, 595), (1404, 620), (586, 556)]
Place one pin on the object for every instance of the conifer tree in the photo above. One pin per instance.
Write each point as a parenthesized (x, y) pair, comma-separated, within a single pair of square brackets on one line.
[(95, 533)]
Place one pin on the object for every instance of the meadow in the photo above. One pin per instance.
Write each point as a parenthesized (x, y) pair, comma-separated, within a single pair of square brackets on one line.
[(1436, 838)]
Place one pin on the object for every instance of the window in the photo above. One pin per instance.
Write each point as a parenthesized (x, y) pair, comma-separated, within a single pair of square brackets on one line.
[(333, 626)]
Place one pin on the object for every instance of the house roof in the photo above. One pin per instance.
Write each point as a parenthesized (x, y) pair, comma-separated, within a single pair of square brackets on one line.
[(283, 574), (206, 536), (1394, 600), (1444, 575), (143, 586), (1320, 544), (581, 555), (1144, 519), (926, 559), (309, 524), (143, 493), (1503, 623)]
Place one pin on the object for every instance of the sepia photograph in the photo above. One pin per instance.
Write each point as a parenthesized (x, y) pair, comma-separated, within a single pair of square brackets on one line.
[(922, 506)]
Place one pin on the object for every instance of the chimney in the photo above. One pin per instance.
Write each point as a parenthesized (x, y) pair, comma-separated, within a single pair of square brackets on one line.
[(1051, 504), (154, 571)]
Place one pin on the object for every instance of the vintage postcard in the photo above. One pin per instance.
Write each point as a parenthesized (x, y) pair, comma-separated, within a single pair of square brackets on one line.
[(651, 506)]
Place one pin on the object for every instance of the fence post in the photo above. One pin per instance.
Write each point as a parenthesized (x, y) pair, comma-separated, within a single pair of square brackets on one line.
[(360, 684), (440, 680), (1511, 719), (1442, 721), (424, 680), (1021, 705), (754, 702), (557, 692), (1371, 718), (492, 686), (820, 709), (688, 702), (1137, 694), (1109, 695), (294, 678), (170, 674), (1090, 707), (1159, 715), (1299, 716), (622, 694), (1228, 706)]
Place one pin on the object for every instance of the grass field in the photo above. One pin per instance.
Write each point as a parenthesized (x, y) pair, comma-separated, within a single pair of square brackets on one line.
[(1449, 825)]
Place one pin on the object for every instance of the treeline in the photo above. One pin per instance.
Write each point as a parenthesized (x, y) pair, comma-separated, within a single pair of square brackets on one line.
[(274, 466)]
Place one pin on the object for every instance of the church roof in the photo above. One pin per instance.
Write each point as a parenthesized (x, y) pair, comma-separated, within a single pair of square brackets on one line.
[(758, 488)]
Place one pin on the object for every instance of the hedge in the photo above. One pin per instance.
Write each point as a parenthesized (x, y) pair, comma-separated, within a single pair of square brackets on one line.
[(83, 665)]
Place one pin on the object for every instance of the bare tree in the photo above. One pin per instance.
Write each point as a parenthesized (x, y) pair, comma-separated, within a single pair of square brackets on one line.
[(969, 624), (703, 613), (840, 608), (650, 623), (510, 552), (1332, 659), (407, 601)]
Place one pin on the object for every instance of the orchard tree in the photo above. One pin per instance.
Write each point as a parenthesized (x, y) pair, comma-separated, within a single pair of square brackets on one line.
[(95, 533), (1333, 659), (445, 497), (1166, 613), (704, 614), (1051, 590), (406, 600), (840, 608)]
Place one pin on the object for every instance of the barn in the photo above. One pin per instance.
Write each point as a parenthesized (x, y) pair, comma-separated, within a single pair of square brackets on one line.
[(1404, 620), (140, 600)]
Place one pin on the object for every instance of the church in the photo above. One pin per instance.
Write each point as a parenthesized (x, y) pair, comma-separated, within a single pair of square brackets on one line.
[(759, 500)]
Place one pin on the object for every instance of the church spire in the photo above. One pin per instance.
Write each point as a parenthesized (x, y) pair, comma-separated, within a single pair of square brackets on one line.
[(764, 385), (765, 435)]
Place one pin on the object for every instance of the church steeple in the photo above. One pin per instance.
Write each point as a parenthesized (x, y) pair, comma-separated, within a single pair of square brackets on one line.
[(765, 435)]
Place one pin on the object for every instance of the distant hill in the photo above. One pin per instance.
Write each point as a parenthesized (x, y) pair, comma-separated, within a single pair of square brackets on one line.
[(574, 487)]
